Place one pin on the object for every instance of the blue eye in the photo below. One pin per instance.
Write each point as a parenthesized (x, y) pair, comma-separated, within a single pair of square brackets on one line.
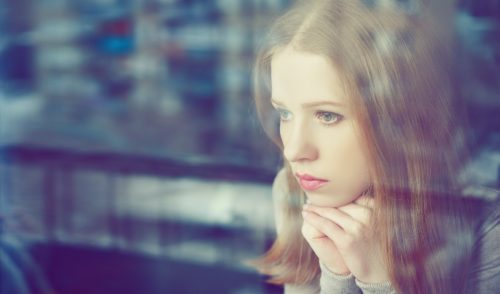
[(327, 117), (285, 115)]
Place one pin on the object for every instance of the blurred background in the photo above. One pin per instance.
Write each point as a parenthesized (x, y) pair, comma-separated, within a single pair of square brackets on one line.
[(131, 159)]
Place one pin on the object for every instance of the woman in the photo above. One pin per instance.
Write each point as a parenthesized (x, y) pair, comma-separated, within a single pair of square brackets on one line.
[(369, 198)]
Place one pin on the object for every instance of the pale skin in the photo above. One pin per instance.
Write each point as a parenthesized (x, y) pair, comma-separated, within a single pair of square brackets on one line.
[(319, 138)]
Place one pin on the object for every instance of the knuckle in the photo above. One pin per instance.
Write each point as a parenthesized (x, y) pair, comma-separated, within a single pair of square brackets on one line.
[(357, 229), (306, 232), (346, 243)]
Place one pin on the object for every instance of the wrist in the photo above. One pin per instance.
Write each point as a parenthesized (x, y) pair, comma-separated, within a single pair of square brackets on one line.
[(340, 272), (373, 272), (372, 279), (382, 287)]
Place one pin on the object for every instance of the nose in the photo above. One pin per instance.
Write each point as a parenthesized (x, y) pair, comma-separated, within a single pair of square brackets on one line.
[(299, 145)]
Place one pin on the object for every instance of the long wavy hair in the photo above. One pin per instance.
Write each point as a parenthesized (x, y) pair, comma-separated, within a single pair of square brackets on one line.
[(395, 62)]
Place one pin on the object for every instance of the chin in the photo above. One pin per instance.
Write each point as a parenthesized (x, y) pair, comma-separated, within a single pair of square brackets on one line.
[(325, 200)]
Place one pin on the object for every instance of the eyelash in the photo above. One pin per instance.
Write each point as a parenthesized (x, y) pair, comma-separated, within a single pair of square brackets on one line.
[(281, 112), (318, 115)]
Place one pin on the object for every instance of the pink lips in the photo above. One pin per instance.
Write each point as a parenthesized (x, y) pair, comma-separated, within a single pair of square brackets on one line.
[(310, 183)]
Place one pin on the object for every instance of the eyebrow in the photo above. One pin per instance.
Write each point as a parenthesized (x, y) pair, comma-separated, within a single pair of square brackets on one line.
[(311, 104)]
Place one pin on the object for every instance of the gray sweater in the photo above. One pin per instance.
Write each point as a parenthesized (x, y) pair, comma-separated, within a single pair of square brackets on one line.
[(482, 260)]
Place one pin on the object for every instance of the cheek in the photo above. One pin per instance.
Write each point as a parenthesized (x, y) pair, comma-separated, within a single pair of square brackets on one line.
[(340, 148), (356, 170), (284, 130), (347, 158)]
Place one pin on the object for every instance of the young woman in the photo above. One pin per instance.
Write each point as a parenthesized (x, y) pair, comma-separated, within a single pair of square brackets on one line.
[(369, 198)]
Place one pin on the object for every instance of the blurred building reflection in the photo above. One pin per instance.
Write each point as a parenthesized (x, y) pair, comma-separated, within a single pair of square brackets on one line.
[(112, 112), (147, 77), (140, 212)]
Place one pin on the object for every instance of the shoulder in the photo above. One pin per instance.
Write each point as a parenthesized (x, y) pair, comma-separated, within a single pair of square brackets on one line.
[(486, 214), (485, 267), (479, 211), (489, 224)]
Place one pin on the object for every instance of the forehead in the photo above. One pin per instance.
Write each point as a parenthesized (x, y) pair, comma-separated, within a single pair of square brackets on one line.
[(304, 77)]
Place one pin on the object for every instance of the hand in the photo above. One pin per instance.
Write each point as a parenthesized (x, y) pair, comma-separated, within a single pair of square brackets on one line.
[(325, 249), (346, 231)]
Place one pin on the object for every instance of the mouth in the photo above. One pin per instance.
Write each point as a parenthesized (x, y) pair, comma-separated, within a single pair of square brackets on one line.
[(310, 183)]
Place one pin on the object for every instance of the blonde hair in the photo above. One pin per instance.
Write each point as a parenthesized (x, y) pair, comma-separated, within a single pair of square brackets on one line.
[(396, 70)]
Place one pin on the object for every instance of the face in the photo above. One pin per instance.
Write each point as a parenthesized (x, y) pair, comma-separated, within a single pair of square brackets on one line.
[(317, 128)]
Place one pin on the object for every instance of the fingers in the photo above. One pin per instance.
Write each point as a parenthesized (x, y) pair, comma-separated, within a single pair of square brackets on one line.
[(357, 212), (335, 215), (351, 218), (322, 224), (340, 224), (309, 232), (315, 238)]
